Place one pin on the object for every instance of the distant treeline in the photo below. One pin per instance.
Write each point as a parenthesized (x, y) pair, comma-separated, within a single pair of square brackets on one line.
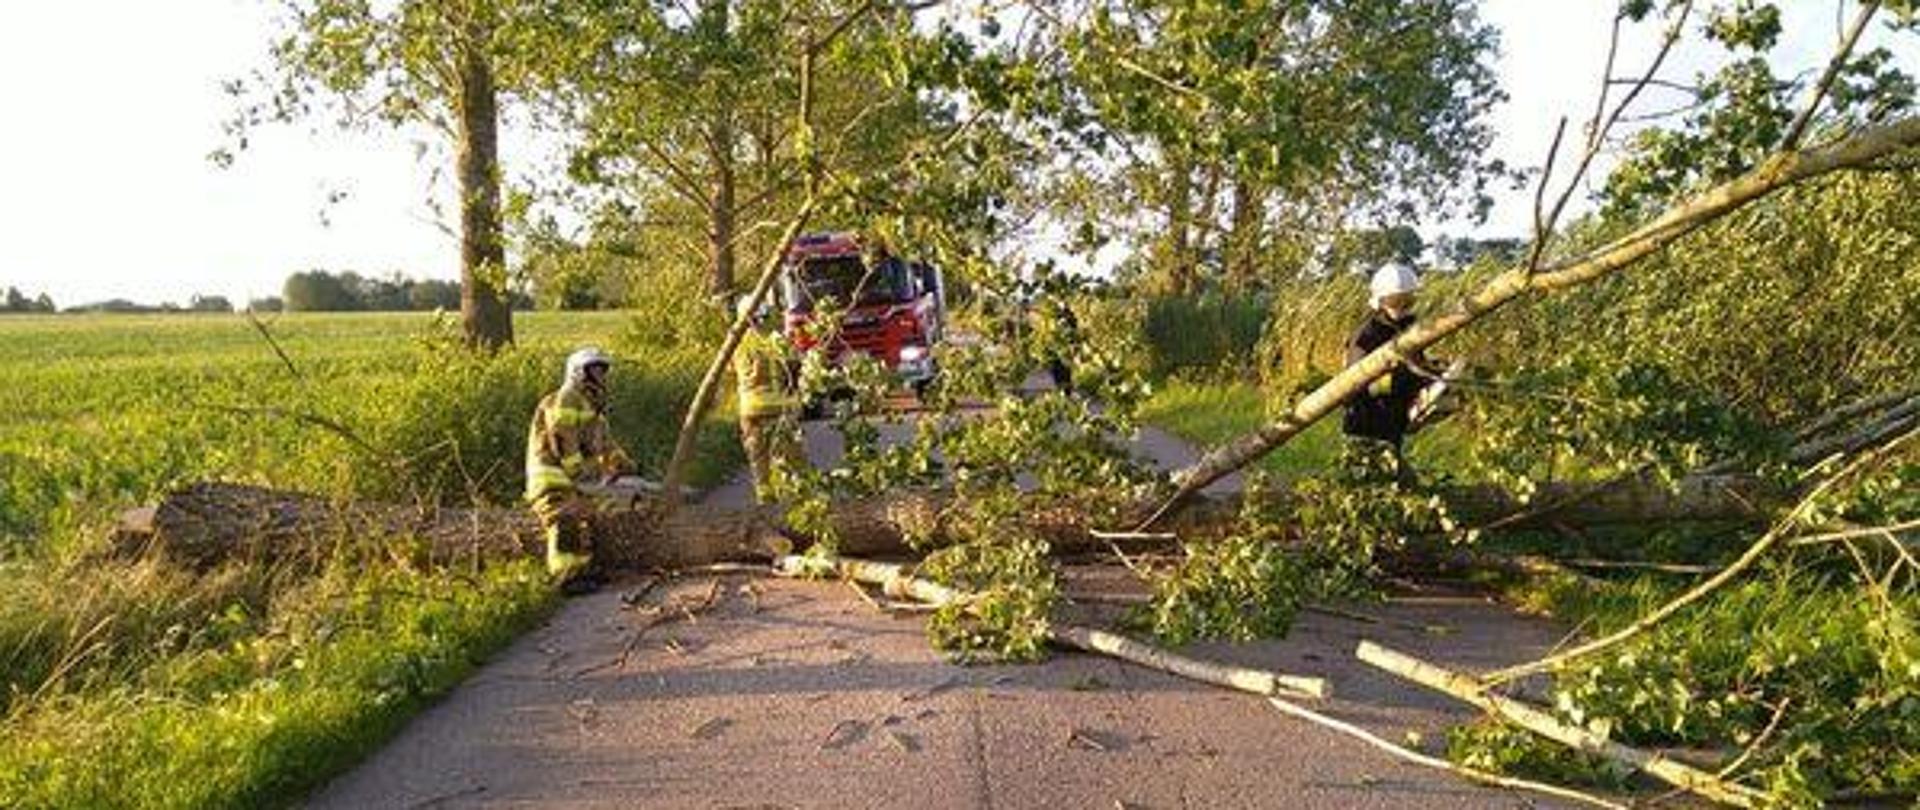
[(199, 303), (311, 291), (18, 301), (321, 291)]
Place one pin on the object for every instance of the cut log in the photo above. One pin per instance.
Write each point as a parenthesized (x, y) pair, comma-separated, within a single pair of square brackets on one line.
[(1472, 691), (205, 524)]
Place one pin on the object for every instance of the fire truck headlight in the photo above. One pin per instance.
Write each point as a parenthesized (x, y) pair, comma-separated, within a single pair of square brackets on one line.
[(912, 354)]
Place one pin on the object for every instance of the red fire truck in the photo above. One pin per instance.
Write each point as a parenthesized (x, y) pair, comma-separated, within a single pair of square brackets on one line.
[(894, 309)]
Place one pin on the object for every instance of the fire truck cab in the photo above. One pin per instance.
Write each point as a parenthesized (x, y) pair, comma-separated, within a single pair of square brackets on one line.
[(894, 310)]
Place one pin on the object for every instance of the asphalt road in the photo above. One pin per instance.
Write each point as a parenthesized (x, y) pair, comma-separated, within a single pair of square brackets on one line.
[(793, 694)]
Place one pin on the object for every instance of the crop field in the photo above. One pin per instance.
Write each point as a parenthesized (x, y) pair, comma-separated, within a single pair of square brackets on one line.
[(130, 683), (105, 411)]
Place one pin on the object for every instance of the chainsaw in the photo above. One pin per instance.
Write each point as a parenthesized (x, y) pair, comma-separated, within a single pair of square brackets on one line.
[(1433, 404)]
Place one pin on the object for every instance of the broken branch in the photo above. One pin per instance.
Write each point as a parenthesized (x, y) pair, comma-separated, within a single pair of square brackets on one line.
[(1747, 559), (1779, 171), (1259, 682), (895, 580), (1475, 692)]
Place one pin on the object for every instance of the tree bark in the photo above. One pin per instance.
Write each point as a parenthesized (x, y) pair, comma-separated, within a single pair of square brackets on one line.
[(1776, 173), (722, 214), (722, 140), (1243, 238), (1261, 682), (483, 263), (1178, 250)]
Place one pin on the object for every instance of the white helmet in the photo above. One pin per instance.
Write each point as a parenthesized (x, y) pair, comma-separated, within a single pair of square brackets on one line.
[(1391, 279), (578, 362)]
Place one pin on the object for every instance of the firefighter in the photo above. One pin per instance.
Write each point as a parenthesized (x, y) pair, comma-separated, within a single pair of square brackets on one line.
[(570, 444), (768, 403), (1378, 419)]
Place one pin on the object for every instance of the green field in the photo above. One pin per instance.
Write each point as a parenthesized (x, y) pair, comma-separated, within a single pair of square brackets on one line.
[(136, 684)]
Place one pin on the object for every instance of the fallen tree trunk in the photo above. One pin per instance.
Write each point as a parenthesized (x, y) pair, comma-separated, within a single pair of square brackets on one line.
[(1472, 691), (205, 524)]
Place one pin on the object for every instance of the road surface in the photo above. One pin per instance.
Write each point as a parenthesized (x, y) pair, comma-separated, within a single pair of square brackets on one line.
[(785, 694)]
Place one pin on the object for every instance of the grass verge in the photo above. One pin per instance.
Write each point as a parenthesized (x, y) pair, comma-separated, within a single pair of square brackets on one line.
[(1207, 414), (293, 698)]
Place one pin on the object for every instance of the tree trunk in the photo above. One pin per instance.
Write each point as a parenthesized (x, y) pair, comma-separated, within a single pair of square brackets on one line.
[(1178, 248), (483, 261), (204, 525), (1243, 239), (1778, 172), (709, 390), (721, 213), (722, 139)]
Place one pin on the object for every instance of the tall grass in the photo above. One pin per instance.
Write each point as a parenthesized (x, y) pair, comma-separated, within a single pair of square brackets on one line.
[(1204, 334), (288, 700)]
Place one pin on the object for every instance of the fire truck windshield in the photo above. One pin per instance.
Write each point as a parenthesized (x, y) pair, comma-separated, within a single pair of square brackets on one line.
[(842, 278)]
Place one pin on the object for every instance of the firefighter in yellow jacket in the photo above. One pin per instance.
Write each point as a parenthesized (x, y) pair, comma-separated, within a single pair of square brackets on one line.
[(768, 403), (568, 444)]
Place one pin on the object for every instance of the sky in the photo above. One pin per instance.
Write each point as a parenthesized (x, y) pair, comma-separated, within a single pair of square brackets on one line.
[(109, 108)]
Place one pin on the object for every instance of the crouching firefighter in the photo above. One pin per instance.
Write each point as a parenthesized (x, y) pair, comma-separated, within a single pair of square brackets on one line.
[(769, 404), (569, 445)]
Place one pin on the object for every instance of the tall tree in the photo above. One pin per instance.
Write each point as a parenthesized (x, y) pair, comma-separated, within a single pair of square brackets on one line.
[(681, 113), (443, 64), (1227, 119)]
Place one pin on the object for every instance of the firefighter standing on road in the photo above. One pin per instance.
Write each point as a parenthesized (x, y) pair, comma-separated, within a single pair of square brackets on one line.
[(768, 402), (568, 444), (1379, 418)]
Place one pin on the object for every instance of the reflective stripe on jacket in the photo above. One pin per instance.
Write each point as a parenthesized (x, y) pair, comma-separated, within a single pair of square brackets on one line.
[(569, 441)]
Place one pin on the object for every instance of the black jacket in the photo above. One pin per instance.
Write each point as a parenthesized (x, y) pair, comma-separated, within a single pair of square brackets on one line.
[(1383, 417)]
